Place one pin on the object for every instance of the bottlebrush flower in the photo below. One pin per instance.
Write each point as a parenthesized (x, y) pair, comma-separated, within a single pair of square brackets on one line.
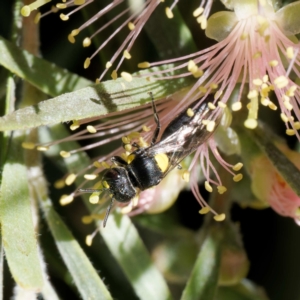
[(255, 47)]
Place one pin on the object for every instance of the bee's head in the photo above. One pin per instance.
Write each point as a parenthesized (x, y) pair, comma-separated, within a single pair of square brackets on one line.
[(117, 181)]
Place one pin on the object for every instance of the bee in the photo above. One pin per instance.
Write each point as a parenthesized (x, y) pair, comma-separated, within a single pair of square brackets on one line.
[(145, 167)]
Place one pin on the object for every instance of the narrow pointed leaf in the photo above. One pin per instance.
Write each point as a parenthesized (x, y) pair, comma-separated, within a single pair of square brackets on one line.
[(46, 76), (19, 237), (203, 281)]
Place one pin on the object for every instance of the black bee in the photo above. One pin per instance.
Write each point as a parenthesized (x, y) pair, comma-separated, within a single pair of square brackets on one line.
[(147, 166)]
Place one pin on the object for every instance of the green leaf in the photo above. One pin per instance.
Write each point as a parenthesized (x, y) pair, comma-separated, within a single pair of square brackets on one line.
[(246, 290), (93, 101), (203, 281), (121, 237), (18, 234), (46, 76), (265, 140), (83, 273)]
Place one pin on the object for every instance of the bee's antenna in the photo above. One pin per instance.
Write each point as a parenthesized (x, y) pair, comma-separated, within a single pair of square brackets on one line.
[(108, 211), (156, 119)]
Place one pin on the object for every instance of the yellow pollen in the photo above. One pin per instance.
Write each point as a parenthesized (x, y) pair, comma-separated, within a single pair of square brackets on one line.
[(169, 13), (105, 165), (61, 5), (297, 125), (192, 67), (290, 52), (285, 98), (86, 42), (222, 104), (198, 73), (220, 217), (257, 55), (108, 65), (205, 122), (114, 75), (238, 177), (211, 106), (94, 198), (288, 105), (265, 78), (59, 184), (252, 94), (221, 189), (89, 240), (75, 125), (126, 76), (257, 82), (204, 210), (237, 167), (211, 126), (208, 187), (27, 9), (213, 86), (97, 164), (236, 106), (42, 148), (190, 112), (125, 140), (71, 39), (202, 89), (97, 80), (264, 101), (90, 176), (284, 118), (64, 17), (131, 26), (290, 132), (87, 63), (28, 145), (273, 63), (244, 36), (281, 82), (218, 94), (144, 65), (105, 184), (202, 21), (65, 154), (134, 135), (79, 2), (91, 129), (272, 106), (197, 12), (75, 32), (70, 179), (146, 128), (291, 91), (65, 199), (143, 143), (186, 176), (126, 54), (250, 123), (128, 147)]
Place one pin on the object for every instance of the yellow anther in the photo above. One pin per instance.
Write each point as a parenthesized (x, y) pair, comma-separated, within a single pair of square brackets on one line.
[(71, 39), (265, 78), (125, 140), (114, 74), (213, 86), (128, 147), (144, 65), (66, 199), (272, 106), (291, 91), (37, 18), (87, 220), (143, 143), (27, 9), (197, 12), (75, 125), (169, 13), (86, 42), (222, 104), (126, 76), (61, 5), (244, 36), (108, 65), (221, 189), (204, 210), (208, 187), (288, 105), (220, 217), (290, 132), (134, 135), (146, 128), (105, 165), (70, 179), (218, 94), (94, 198), (186, 176), (273, 63), (64, 154), (236, 106), (290, 52), (211, 106), (211, 126), (202, 89), (126, 54), (265, 101), (28, 145), (79, 2), (64, 17), (297, 125), (127, 209), (87, 63), (90, 176), (105, 184), (205, 122), (89, 240), (257, 55), (238, 177), (192, 67), (91, 129), (257, 82), (237, 166), (190, 112), (42, 148), (281, 81), (198, 73), (250, 123), (202, 21), (131, 26), (252, 94), (59, 184), (97, 164)]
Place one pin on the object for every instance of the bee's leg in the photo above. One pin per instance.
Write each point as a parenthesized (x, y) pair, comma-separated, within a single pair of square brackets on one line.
[(156, 119), (118, 161)]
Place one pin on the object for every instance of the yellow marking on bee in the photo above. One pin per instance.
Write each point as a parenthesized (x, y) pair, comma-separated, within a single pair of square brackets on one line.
[(162, 161), (130, 158)]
